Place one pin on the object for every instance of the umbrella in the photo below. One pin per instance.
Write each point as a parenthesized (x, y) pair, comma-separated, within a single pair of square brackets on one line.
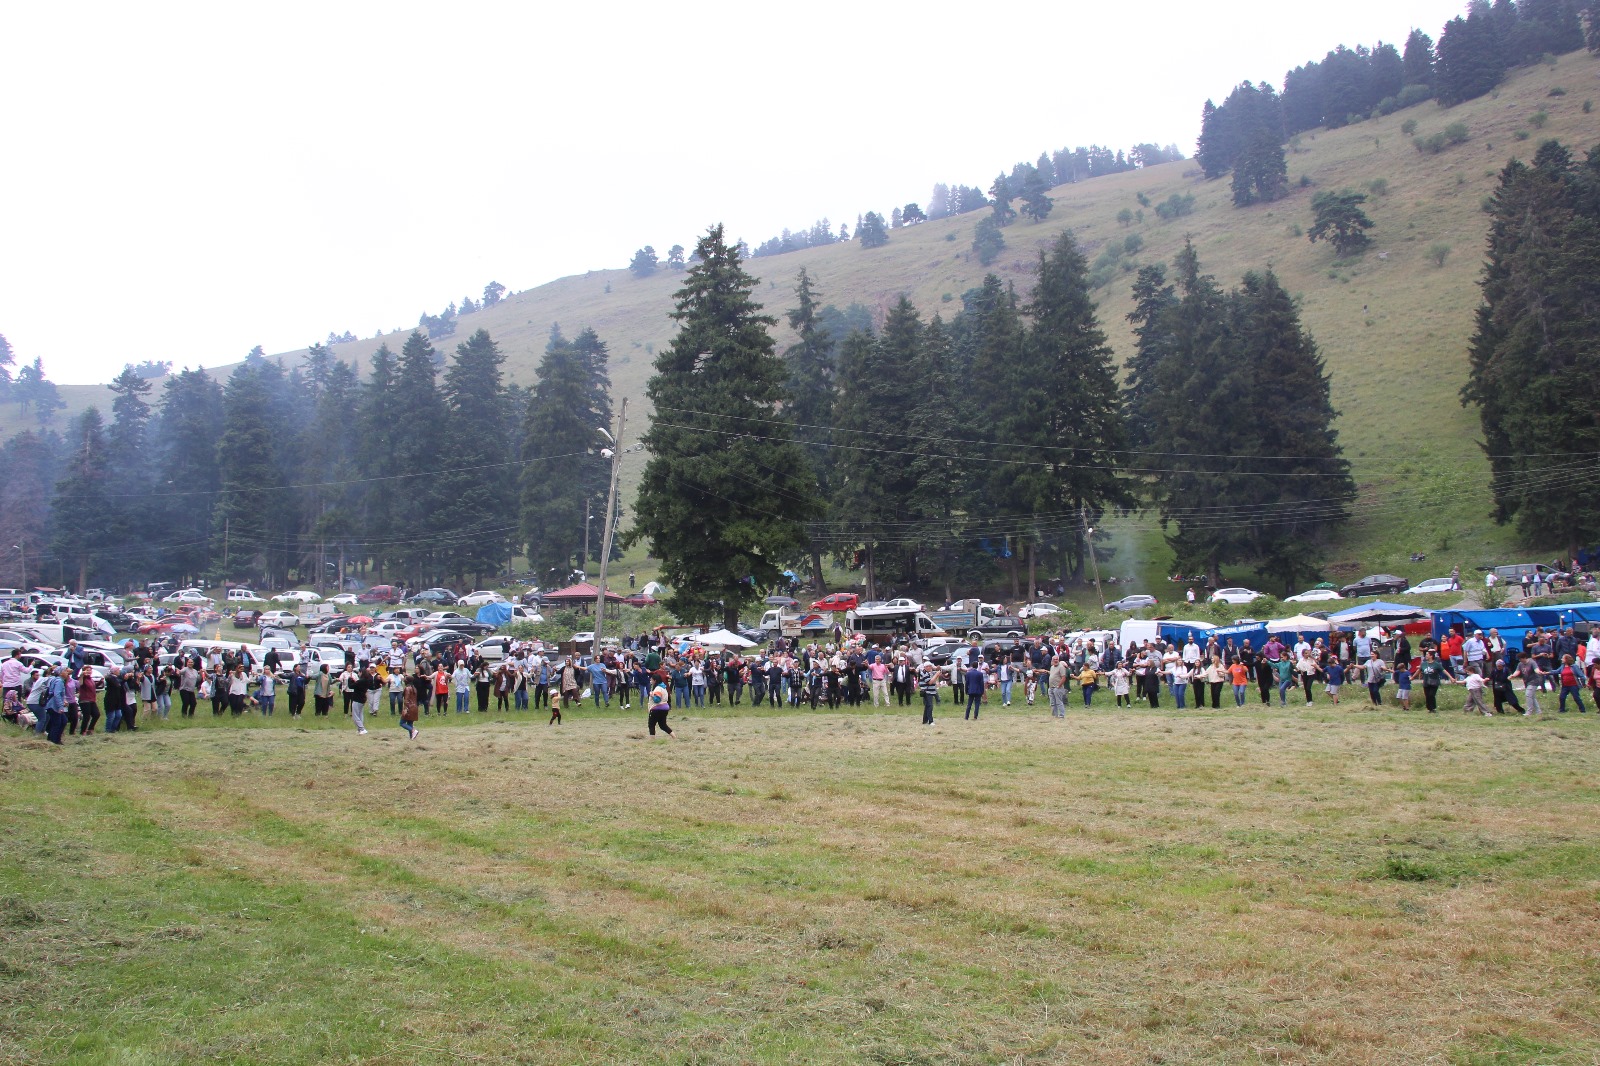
[(721, 638), (1300, 623), (182, 627), (361, 619), (1327, 585), (782, 601)]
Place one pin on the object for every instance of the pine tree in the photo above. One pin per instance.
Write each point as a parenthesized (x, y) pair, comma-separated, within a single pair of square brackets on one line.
[(810, 396), (81, 538), (561, 459), (419, 408), (988, 240), (1533, 352), (476, 476), (250, 526), (1469, 59), (1418, 59), (1340, 221), (190, 429), (935, 494), (32, 463), (1260, 173), (1036, 202), (383, 500), (871, 231), (1153, 298), (1075, 424), (725, 495)]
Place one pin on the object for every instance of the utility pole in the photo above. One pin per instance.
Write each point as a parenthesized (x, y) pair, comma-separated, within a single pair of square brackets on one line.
[(610, 528), (24, 556), (1088, 536), (225, 577)]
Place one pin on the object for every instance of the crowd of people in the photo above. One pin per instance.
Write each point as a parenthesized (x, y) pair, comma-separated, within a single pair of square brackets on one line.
[(75, 699)]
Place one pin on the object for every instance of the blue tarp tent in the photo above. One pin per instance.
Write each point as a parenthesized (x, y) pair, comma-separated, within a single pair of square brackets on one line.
[(496, 614), (1513, 624), (1564, 614), (1377, 612), (1179, 632), (1254, 632)]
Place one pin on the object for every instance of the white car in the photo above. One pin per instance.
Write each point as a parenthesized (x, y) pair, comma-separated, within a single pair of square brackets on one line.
[(1235, 596), (478, 599), (387, 629), (1038, 610), (1313, 596), (441, 616), (187, 596), (279, 619), (1432, 585), (904, 603), (345, 599), (297, 596)]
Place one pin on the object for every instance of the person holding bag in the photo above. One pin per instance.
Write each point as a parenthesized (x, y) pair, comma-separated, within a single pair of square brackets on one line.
[(660, 706), (408, 710)]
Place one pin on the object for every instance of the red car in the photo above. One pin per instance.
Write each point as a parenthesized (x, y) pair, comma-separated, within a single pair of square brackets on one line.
[(837, 601), (639, 600)]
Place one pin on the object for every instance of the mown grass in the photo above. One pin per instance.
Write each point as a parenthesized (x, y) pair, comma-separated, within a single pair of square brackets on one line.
[(1322, 885)]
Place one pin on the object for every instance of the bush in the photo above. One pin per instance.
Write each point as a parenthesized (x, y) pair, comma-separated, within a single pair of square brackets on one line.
[(1388, 106), (1557, 91), (1408, 127), (1125, 217), (1412, 95), (1438, 252), (1132, 244), (1176, 206), (1144, 201), (1538, 119), (1378, 186), (1432, 144), (1457, 133), (1305, 181), (1521, 135), (1588, 106)]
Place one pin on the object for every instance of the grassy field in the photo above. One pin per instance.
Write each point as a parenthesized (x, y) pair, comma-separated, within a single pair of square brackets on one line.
[(1301, 886)]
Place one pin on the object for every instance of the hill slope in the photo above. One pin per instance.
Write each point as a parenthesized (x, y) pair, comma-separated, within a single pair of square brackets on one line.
[(1392, 325)]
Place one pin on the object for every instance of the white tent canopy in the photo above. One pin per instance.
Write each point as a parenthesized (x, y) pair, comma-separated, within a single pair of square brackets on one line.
[(1300, 623), (721, 638)]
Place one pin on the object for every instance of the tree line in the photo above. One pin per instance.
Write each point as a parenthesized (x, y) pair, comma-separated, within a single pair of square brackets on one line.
[(427, 469), (1245, 134), (929, 453)]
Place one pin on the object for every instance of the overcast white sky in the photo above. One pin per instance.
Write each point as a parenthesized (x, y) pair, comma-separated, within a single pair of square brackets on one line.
[(185, 181)]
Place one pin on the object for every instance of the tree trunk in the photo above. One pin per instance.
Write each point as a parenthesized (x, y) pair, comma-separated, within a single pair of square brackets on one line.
[(872, 580), (818, 583), (1014, 576), (1033, 571), (730, 615)]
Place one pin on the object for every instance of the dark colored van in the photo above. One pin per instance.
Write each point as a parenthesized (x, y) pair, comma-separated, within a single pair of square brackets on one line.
[(381, 594)]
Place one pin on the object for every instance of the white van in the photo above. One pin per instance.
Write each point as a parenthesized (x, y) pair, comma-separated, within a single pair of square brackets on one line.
[(243, 596), (1139, 630), (882, 625)]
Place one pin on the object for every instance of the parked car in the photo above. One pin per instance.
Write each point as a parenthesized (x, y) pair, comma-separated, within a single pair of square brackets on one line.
[(377, 594), (1313, 596), (478, 599), (837, 601), (1433, 585), (435, 596), (187, 596), (436, 640), (464, 625), (435, 617), (344, 599), (119, 619), (1375, 585), (1135, 602), (247, 620), (1038, 610), (1235, 596), (638, 599), (278, 619), (342, 624), (403, 614), (494, 647), (905, 602), (297, 596)]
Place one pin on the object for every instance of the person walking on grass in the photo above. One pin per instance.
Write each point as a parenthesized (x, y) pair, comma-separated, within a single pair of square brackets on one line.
[(55, 705), (1474, 684), (660, 706), (357, 693), (1057, 688), (461, 678), (1571, 685), (408, 708), (1376, 674), (1529, 672), (88, 708), (1432, 674), (1402, 684), (322, 692), (1500, 682), (1334, 675), (928, 687), (975, 684)]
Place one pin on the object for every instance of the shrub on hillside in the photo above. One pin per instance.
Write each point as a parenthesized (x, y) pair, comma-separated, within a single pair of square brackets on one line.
[(1175, 206), (1438, 252), (1408, 127)]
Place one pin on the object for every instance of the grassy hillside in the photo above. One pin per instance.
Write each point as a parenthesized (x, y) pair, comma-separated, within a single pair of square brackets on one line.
[(1392, 325)]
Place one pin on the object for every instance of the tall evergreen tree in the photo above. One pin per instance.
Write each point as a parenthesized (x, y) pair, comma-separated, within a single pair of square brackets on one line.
[(1533, 353), (1074, 424), (251, 526), (32, 463), (724, 510), (810, 395), (476, 479), (382, 500), (1260, 173), (81, 539), (1153, 298), (561, 462), (128, 442), (1036, 202), (417, 455), (191, 426), (1417, 60)]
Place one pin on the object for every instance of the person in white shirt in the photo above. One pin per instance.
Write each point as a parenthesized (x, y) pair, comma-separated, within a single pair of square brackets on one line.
[(1191, 653)]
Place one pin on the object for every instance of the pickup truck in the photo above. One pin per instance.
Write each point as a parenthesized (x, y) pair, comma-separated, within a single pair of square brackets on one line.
[(974, 619)]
